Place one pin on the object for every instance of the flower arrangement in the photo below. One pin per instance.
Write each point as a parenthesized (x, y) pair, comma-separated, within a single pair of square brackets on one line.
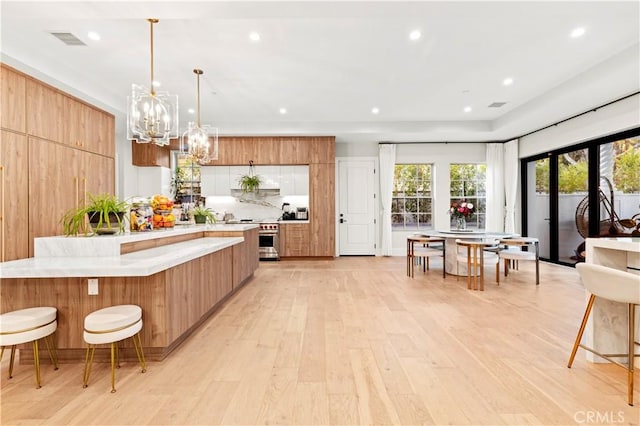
[(462, 209)]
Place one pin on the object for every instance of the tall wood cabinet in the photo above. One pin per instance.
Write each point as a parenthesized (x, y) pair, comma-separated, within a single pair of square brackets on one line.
[(54, 150)]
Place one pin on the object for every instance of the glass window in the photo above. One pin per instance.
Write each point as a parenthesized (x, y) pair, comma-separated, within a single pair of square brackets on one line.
[(412, 201), (468, 184)]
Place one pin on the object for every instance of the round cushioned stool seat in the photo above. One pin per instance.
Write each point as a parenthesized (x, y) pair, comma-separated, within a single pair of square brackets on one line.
[(27, 325), (112, 324)]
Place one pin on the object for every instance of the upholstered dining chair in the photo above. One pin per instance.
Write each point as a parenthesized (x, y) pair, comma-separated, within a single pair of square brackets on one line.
[(517, 249), (473, 254)]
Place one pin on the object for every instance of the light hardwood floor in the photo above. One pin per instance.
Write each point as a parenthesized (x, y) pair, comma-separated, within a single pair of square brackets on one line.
[(354, 341)]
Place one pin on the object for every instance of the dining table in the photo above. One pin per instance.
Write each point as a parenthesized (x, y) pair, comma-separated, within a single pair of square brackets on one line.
[(450, 237)]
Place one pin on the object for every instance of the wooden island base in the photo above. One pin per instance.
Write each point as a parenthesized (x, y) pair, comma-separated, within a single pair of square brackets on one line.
[(174, 302)]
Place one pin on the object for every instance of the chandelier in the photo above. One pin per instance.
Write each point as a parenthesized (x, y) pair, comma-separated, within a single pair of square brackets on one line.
[(200, 142), (151, 116)]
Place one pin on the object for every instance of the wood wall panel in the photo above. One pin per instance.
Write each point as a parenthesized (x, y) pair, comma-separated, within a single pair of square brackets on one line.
[(13, 104), (45, 112), (14, 190)]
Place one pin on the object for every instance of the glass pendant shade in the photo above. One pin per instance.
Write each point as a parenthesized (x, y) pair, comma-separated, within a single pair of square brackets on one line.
[(152, 117), (200, 141)]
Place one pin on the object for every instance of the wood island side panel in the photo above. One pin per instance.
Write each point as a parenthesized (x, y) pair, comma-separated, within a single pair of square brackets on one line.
[(174, 303)]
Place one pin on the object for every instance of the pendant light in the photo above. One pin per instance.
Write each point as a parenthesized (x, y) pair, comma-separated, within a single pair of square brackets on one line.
[(200, 142), (152, 117)]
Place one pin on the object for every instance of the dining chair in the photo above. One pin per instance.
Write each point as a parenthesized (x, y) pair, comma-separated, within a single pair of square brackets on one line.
[(475, 257), (517, 249), (420, 248)]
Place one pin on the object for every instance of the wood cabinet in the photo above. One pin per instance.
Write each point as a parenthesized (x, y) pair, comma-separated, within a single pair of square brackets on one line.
[(55, 149), (13, 90), (322, 209), (14, 200), (150, 155), (294, 239), (57, 189), (45, 111)]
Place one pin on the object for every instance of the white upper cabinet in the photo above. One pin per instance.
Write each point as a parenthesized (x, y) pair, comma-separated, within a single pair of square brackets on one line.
[(295, 180), (290, 180), (215, 180)]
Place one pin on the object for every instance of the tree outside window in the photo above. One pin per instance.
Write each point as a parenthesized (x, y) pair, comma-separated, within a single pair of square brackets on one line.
[(468, 183), (412, 198)]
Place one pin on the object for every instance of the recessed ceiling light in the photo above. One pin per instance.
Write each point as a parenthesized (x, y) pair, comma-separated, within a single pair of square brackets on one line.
[(254, 36), (415, 35), (156, 83), (191, 111), (507, 81), (375, 110), (577, 32), (283, 110), (93, 35), (467, 109)]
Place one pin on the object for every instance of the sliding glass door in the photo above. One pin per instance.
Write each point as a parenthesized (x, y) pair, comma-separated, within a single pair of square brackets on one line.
[(587, 190)]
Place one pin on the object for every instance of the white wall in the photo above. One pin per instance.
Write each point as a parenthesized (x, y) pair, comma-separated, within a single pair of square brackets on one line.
[(614, 118)]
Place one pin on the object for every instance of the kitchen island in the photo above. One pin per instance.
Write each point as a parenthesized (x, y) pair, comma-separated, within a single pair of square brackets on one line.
[(179, 277), (606, 331)]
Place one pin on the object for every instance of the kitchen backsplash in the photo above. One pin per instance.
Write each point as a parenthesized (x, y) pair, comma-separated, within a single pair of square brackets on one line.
[(258, 209)]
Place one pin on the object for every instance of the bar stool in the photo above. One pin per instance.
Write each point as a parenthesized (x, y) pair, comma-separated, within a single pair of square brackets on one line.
[(475, 257), (423, 252), (112, 325), (29, 325), (514, 253), (618, 286)]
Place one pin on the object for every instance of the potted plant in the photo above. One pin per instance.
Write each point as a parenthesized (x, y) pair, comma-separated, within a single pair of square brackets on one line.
[(105, 213), (203, 215), (249, 183)]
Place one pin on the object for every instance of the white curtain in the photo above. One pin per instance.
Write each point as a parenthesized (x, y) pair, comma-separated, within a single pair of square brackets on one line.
[(511, 166), (387, 156), (495, 188)]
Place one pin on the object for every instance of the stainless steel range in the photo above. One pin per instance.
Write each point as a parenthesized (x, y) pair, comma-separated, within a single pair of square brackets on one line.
[(268, 234)]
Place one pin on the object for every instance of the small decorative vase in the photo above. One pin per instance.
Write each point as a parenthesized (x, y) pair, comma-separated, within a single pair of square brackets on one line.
[(461, 223)]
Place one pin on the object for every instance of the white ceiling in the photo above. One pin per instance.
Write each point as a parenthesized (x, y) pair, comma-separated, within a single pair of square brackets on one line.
[(330, 63)]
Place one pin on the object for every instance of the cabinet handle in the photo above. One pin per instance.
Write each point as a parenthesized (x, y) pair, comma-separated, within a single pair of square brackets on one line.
[(75, 183), (84, 196), (2, 250)]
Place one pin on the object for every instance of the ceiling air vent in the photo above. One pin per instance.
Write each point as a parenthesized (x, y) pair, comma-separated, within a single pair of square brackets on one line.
[(496, 104), (68, 39)]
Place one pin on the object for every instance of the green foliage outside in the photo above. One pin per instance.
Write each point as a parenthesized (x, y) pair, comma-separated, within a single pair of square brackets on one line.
[(573, 174), (627, 171), (573, 177)]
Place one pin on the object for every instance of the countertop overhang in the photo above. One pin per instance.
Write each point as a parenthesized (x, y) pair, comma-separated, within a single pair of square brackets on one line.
[(99, 256)]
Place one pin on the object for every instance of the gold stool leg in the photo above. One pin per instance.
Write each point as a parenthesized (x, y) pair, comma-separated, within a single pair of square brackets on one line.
[(53, 355), (631, 349), (36, 362), (585, 318), (139, 351), (113, 370), (88, 361), (13, 357)]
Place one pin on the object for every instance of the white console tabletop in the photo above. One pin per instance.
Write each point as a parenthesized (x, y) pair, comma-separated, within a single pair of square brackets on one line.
[(99, 256), (606, 331)]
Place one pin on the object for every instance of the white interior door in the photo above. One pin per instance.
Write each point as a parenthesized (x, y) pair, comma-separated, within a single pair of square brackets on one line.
[(356, 204)]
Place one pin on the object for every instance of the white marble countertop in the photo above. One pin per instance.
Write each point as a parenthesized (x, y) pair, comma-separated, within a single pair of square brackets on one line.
[(109, 245), (140, 263), (631, 244)]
